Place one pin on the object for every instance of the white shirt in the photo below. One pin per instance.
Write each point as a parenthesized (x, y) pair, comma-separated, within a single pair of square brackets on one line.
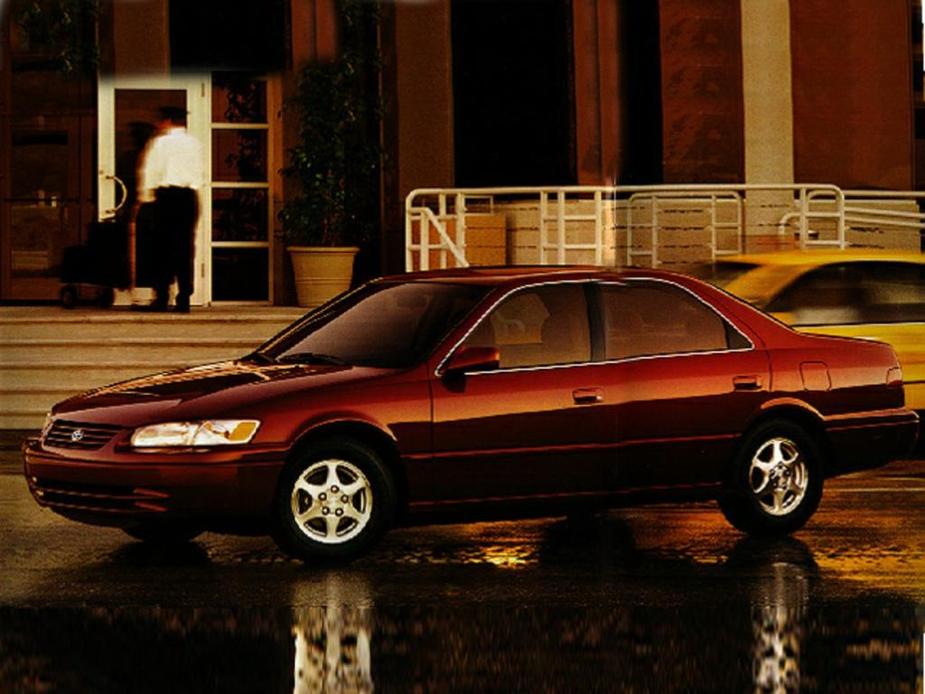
[(173, 158)]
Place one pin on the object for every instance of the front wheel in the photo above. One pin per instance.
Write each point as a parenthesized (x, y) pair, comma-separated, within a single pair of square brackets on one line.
[(333, 502), (776, 482)]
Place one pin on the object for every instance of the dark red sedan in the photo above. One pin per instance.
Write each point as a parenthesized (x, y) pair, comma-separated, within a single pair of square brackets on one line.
[(481, 393)]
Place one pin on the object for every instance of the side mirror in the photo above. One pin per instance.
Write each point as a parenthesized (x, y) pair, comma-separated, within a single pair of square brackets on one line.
[(473, 359)]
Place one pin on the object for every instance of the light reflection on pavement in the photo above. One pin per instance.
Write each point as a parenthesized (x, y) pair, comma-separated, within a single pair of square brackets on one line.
[(658, 598)]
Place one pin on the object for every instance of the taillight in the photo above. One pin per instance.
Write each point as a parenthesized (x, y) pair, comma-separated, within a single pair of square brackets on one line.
[(894, 376)]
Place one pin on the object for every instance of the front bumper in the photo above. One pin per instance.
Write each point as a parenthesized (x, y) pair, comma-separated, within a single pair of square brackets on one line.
[(133, 488)]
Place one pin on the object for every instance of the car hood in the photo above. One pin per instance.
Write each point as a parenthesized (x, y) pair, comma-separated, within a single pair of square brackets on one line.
[(204, 391)]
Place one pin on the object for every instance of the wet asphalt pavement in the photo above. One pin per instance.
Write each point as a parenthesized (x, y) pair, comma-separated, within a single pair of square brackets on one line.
[(664, 598)]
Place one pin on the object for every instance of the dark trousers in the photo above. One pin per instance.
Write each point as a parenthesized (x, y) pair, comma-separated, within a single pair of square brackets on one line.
[(175, 214)]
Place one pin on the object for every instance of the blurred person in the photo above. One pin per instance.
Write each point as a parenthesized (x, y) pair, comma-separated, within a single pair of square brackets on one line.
[(170, 175)]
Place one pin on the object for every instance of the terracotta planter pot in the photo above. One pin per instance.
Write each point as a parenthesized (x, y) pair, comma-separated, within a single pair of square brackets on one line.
[(321, 273)]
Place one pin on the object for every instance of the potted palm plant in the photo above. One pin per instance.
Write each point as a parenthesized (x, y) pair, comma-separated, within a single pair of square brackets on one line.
[(335, 165)]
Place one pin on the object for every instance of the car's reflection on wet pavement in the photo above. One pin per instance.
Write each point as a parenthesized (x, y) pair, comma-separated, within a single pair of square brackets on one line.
[(660, 599)]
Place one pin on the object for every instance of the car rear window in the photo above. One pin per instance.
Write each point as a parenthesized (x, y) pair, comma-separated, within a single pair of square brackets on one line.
[(646, 319)]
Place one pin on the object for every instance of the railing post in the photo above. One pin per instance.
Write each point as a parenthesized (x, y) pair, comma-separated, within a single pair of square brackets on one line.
[(653, 231), (409, 236), (840, 209), (425, 242), (441, 215), (713, 227), (740, 232), (804, 220), (461, 223), (560, 225), (629, 230), (544, 204), (598, 229)]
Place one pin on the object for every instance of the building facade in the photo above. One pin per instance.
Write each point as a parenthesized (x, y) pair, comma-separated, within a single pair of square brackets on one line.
[(544, 92)]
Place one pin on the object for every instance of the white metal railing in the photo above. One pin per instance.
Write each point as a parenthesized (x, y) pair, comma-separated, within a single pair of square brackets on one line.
[(614, 223), (655, 200), (858, 209)]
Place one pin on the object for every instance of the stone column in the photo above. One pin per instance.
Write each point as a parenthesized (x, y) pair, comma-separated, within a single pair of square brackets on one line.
[(417, 87), (768, 111)]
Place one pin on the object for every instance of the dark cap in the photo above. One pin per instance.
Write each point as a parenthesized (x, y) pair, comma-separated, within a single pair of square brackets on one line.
[(175, 114)]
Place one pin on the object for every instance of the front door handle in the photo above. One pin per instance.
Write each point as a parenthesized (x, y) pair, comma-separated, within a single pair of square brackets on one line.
[(746, 382), (587, 396)]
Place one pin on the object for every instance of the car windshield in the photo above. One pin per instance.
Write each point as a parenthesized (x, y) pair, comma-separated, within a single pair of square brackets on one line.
[(382, 324)]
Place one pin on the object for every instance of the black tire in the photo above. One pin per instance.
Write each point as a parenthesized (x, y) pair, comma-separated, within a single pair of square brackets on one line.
[(362, 517), (163, 533), (753, 507), (69, 296)]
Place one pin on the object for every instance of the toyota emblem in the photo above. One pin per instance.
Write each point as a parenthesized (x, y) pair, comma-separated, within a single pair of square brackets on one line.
[(77, 435)]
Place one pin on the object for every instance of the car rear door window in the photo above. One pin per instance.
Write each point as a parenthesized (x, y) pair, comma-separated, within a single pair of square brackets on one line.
[(646, 319), (538, 326)]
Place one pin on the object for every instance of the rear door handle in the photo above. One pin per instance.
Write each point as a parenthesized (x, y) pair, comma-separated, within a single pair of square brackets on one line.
[(587, 396), (746, 382)]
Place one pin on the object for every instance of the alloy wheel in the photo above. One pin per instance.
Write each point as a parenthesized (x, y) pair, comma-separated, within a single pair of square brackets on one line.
[(778, 476), (331, 501)]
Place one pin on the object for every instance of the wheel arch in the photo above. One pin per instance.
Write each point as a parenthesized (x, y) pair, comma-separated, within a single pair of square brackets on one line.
[(380, 441), (800, 414)]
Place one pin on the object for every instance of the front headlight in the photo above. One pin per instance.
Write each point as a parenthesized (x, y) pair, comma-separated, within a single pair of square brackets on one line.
[(212, 432), (49, 420)]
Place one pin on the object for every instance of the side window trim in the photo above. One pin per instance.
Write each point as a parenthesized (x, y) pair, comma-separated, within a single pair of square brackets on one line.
[(595, 308)]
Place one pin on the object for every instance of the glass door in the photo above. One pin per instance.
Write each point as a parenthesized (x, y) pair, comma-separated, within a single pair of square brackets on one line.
[(240, 260), (43, 207), (128, 113), (47, 187)]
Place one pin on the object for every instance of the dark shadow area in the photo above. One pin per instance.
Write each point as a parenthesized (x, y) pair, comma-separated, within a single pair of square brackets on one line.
[(154, 555), (513, 93), (248, 37)]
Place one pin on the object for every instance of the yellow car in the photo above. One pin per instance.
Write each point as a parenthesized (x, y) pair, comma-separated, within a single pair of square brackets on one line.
[(864, 293)]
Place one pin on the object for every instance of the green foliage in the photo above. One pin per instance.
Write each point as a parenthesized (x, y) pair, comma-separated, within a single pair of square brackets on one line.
[(336, 162), (62, 29)]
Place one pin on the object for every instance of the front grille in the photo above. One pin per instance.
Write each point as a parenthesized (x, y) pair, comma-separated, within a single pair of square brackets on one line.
[(79, 435), (97, 497)]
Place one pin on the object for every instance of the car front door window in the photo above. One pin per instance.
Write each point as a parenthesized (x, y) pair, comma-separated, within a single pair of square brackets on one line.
[(539, 326)]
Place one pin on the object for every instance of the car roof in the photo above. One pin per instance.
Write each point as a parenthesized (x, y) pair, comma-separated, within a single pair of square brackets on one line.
[(512, 275), (496, 275), (823, 256)]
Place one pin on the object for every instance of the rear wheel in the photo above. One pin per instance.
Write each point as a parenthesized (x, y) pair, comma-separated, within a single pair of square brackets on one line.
[(776, 481), (333, 502)]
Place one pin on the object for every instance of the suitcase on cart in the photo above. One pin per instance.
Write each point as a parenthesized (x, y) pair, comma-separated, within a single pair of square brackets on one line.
[(91, 272)]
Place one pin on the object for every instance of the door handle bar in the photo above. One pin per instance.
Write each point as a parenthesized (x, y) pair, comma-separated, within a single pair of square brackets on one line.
[(746, 383), (587, 396)]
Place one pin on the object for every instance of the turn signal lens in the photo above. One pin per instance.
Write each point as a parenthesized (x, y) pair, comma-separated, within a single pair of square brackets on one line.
[(894, 376), (213, 432)]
